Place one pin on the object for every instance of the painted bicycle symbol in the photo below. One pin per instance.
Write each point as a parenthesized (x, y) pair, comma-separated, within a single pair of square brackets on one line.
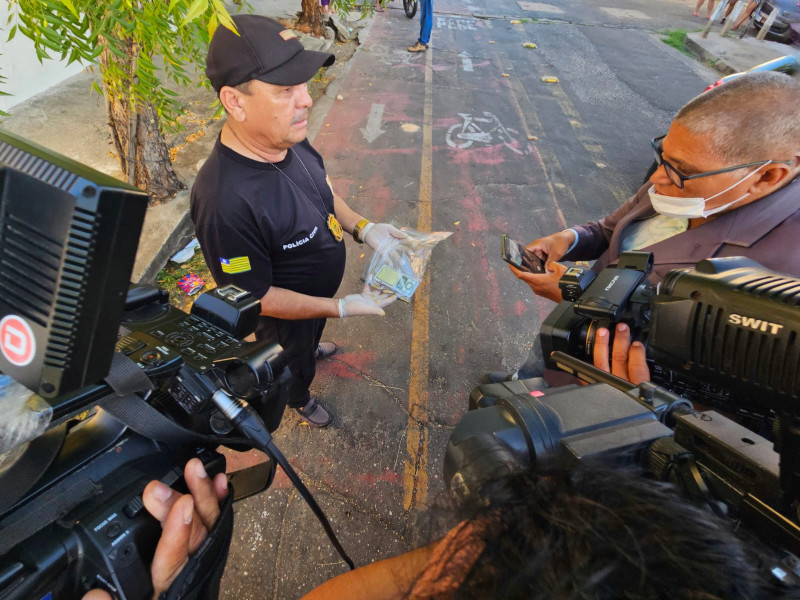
[(486, 130)]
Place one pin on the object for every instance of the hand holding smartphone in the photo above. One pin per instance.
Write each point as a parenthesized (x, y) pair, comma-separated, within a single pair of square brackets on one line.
[(516, 254)]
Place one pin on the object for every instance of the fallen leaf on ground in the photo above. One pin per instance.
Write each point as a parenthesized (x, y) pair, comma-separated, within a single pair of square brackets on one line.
[(550, 79), (529, 45)]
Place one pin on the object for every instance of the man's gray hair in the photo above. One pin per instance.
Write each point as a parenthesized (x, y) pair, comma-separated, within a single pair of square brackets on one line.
[(753, 117)]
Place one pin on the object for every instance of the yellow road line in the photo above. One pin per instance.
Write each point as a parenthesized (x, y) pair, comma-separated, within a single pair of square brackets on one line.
[(415, 479), (616, 185)]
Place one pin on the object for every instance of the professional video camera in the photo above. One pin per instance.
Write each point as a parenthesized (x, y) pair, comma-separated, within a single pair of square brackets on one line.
[(178, 386), (714, 332), (727, 321)]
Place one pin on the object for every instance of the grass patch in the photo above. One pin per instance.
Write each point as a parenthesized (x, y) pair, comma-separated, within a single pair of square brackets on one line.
[(676, 38), (170, 275)]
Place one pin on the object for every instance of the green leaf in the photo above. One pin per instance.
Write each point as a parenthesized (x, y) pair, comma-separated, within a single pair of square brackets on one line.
[(197, 8), (71, 7), (212, 25), (12, 33), (226, 20)]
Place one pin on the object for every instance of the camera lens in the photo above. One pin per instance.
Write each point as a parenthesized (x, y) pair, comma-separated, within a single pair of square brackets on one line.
[(253, 369), (240, 379), (586, 339)]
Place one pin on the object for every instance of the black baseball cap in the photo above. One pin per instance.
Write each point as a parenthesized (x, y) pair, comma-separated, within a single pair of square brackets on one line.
[(263, 50)]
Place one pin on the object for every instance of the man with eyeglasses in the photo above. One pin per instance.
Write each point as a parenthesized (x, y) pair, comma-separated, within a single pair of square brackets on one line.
[(727, 185)]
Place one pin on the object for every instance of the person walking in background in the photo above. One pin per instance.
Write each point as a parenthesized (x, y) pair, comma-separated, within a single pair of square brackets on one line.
[(326, 8), (699, 4), (425, 26), (746, 14)]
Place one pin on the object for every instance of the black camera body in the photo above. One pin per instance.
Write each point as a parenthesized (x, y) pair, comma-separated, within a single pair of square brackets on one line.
[(84, 524), (616, 294), (72, 473), (202, 352), (72, 518), (727, 322)]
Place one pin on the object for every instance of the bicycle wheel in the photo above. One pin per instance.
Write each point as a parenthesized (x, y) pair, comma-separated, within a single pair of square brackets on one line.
[(410, 6)]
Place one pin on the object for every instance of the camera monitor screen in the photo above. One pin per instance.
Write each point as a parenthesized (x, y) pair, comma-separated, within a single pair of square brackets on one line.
[(68, 239)]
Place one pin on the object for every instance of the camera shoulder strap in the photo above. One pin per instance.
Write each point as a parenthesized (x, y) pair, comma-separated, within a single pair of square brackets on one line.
[(200, 578), (128, 380)]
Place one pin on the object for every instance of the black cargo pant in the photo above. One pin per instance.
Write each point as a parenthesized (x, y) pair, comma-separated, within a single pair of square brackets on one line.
[(299, 340)]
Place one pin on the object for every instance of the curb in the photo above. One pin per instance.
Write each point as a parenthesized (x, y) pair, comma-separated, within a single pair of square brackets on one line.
[(717, 62), (324, 102), (169, 226)]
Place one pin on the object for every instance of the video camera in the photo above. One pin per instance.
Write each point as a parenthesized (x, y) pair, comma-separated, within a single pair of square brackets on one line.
[(71, 513), (717, 341), (727, 322)]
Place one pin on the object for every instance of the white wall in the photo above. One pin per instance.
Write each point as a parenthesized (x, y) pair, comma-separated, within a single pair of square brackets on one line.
[(24, 75)]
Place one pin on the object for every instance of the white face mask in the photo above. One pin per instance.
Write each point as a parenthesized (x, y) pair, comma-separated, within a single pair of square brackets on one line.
[(693, 208)]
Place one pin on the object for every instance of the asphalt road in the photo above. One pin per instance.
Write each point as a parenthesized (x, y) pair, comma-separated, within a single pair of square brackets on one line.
[(444, 141)]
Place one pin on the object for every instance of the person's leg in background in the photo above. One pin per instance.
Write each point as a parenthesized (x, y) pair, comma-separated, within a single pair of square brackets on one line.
[(751, 6), (326, 7), (425, 26), (710, 8)]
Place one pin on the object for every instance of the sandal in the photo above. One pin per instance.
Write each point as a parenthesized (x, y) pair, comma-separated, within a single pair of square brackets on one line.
[(325, 350)]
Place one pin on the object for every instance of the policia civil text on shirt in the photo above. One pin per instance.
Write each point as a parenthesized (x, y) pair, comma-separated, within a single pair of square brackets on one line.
[(264, 211)]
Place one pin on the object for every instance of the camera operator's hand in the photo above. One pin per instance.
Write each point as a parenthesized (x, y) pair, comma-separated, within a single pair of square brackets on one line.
[(374, 234), (628, 360), (544, 285), (185, 519), (368, 302)]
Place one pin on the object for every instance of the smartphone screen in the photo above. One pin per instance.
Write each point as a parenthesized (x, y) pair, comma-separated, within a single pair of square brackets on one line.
[(519, 256)]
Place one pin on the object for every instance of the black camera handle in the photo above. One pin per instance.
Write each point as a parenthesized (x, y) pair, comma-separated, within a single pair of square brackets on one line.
[(127, 379)]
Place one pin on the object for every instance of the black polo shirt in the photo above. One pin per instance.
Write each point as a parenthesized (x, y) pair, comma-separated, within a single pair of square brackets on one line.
[(255, 227)]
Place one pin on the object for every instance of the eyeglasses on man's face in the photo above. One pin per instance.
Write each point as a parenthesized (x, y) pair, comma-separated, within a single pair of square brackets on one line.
[(678, 178)]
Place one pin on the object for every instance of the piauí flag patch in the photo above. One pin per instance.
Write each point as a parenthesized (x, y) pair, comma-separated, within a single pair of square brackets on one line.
[(240, 264)]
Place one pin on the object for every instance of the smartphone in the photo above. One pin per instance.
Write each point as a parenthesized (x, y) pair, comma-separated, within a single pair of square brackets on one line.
[(516, 254)]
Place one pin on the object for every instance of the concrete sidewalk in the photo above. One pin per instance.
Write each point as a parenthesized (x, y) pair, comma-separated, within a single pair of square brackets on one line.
[(731, 55), (70, 118)]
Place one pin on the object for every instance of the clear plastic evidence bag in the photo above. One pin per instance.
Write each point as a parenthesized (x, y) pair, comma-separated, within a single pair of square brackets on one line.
[(398, 265)]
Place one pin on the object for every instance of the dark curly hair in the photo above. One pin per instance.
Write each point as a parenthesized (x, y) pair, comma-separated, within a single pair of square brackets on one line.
[(593, 532)]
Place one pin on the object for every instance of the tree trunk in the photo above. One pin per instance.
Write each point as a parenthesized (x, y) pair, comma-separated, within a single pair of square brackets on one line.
[(311, 17), (146, 163)]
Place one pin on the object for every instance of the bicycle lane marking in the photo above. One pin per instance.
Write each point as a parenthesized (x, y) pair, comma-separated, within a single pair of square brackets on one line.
[(415, 491)]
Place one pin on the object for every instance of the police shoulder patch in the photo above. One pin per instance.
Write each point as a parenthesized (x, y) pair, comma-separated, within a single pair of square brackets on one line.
[(240, 264)]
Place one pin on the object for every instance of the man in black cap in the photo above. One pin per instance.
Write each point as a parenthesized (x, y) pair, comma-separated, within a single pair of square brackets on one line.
[(264, 211)]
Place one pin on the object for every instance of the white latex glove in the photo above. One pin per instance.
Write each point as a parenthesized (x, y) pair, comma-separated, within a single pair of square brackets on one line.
[(373, 234), (368, 302)]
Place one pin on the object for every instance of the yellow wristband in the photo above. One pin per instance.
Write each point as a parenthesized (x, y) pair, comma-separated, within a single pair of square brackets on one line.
[(357, 230)]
